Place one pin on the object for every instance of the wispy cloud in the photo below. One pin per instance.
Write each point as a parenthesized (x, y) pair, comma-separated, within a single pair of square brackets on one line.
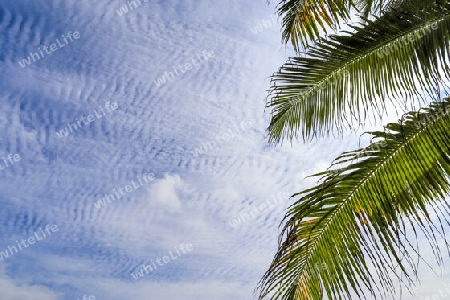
[(21, 290), (204, 175)]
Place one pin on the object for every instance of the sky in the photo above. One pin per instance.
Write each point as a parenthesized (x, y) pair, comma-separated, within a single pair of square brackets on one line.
[(134, 157)]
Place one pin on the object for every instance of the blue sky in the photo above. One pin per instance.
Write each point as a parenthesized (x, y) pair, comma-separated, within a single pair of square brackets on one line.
[(190, 198)]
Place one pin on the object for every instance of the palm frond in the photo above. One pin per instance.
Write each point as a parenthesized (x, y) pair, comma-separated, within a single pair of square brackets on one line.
[(398, 56), (356, 216), (375, 7), (303, 19)]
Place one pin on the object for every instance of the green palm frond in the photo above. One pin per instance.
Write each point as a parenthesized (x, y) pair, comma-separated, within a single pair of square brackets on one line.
[(356, 215), (397, 56), (375, 7), (303, 19)]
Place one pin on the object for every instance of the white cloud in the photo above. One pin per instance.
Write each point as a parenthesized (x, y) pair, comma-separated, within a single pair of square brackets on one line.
[(164, 191), (18, 290)]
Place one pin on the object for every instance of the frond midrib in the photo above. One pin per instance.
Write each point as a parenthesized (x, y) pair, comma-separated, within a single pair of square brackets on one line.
[(348, 199), (371, 51)]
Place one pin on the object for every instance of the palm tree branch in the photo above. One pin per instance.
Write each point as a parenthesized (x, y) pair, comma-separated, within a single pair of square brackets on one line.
[(303, 19), (342, 76), (358, 211)]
